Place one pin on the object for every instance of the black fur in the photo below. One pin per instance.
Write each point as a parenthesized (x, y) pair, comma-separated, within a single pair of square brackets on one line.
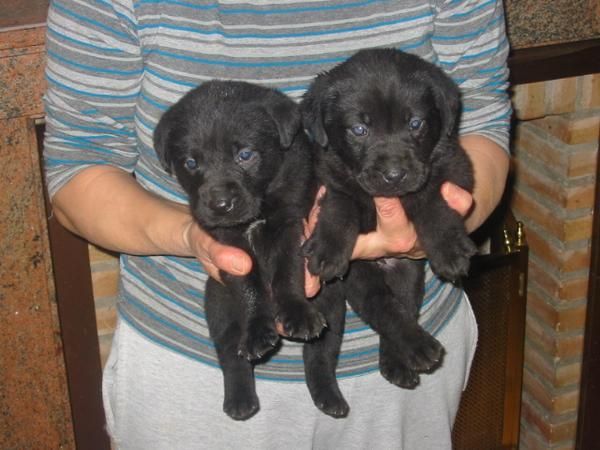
[(384, 123), (237, 151)]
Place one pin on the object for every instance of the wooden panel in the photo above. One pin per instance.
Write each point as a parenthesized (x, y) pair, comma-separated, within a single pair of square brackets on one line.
[(34, 408), (19, 13), (589, 402), (75, 299)]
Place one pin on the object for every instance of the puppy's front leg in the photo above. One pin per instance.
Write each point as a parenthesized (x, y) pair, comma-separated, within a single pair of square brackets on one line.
[(329, 248), (441, 231), (258, 333), (298, 316)]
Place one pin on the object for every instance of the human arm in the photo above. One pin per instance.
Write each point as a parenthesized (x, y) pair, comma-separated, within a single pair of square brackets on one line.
[(94, 72), (108, 207)]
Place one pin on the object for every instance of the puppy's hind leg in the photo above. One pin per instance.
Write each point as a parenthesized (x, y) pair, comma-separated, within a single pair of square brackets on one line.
[(388, 299), (223, 316), (320, 355)]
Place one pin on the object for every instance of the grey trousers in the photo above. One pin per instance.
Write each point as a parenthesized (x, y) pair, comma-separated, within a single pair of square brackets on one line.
[(156, 399)]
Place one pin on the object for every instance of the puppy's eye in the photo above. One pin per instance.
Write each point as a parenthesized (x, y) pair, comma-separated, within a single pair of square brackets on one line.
[(191, 164), (359, 130), (245, 155), (415, 124)]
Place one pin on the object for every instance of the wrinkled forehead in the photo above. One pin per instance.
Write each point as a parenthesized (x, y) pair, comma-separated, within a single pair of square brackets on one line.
[(385, 98), (230, 125)]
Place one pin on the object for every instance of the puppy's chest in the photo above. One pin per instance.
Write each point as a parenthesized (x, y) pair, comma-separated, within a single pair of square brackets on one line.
[(254, 235)]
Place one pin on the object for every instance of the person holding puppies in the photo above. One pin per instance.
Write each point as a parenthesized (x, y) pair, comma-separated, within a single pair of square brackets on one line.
[(113, 68)]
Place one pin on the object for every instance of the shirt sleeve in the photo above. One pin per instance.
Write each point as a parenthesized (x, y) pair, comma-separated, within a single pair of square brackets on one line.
[(93, 73), (471, 45)]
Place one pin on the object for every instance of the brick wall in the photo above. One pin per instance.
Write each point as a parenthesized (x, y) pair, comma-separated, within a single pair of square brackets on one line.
[(555, 147), (105, 273)]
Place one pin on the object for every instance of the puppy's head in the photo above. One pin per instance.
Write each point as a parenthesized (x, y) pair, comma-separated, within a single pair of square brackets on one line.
[(225, 141), (383, 113)]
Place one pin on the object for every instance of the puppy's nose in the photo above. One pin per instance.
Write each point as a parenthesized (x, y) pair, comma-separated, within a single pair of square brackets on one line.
[(393, 175), (221, 200)]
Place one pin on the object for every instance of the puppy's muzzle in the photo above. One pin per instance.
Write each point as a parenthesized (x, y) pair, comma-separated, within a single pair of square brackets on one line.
[(393, 175), (392, 180), (222, 199)]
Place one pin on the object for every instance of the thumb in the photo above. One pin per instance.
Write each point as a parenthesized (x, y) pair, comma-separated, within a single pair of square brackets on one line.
[(230, 259), (390, 213), (457, 198)]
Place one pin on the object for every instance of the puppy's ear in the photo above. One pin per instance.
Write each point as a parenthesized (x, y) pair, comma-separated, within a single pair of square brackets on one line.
[(286, 115), (161, 139), (312, 113), (447, 99)]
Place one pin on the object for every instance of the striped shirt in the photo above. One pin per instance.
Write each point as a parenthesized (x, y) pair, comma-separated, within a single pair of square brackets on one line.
[(115, 66)]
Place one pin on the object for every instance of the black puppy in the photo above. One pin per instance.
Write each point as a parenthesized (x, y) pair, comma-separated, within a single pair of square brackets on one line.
[(236, 150), (385, 124)]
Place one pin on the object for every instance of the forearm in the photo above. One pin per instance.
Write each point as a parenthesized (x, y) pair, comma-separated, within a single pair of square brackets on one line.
[(490, 165), (106, 206)]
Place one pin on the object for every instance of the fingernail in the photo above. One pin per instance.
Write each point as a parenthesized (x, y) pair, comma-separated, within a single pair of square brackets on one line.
[(238, 266)]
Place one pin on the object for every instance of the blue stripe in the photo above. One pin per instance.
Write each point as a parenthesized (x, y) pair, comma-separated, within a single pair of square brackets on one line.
[(206, 61), (81, 144), (63, 37), (118, 14), (95, 23), (95, 69), (464, 57), (479, 32), (234, 11), (477, 8), (54, 162), (284, 35), (189, 263), (162, 188), (161, 294), (110, 132), (91, 94)]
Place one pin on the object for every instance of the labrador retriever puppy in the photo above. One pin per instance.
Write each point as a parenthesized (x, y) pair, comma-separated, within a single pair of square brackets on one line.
[(238, 152), (385, 123)]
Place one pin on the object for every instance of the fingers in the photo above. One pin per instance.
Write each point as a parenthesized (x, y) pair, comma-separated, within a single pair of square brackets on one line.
[(312, 283), (457, 198), (313, 216), (229, 259), (390, 214)]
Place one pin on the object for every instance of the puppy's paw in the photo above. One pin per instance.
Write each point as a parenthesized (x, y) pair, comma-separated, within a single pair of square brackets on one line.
[(327, 258), (242, 405), (424, 353), (331, 402), (451, 259), (261, 338), (301, 319), (396, 372)]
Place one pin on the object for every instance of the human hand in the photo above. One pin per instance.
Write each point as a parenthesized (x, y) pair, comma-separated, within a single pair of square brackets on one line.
[(312, 283), (215, 256), (395, 235)]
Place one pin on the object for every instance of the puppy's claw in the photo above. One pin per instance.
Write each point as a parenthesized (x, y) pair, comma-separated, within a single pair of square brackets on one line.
[(327, 258), (301, 319), (261, 338), (241, 408)]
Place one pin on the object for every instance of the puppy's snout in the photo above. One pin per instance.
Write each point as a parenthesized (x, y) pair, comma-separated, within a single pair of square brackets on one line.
[(221, 199), (393, 175)]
